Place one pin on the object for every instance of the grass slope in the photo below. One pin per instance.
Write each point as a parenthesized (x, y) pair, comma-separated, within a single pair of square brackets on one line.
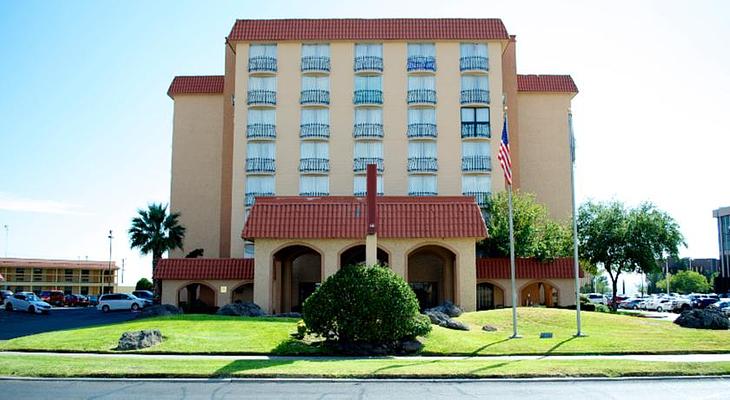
[(201, 334)]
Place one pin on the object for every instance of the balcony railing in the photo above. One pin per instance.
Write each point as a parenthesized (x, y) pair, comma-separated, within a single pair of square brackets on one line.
[(422, 96), (368, 97), (250, 196), (364, 193), (255, 131), (315, 96), (475, 130), (367, 130), (480, 197), (360, 163), (420, 130), (476, 163), (421, 63), (368, 63), (474, 96), (313, 63), (421, 193), (262, 64), (314, 194), (422, 164), (313, 130), (314, 165), (258, 164), (474, 63), (267, 97)]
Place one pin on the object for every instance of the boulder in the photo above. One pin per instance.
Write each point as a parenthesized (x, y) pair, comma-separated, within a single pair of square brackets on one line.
[(489, 328), (159, 311), (448, 308), (241, 310), (410, 346), (441, 319), (703, 319), (136, 340)]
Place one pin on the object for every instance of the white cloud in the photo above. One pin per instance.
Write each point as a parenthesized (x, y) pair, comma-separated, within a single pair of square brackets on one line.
[(9, 202)]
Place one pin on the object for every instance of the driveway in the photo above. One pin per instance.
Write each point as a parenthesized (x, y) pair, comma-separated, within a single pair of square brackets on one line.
[(15, 324)]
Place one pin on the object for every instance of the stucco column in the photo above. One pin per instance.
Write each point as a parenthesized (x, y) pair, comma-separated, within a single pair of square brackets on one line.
[(466, 281), (371, 249), (262, 275)]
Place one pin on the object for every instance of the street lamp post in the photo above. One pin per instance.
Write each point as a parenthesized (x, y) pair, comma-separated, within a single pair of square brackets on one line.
[(110, 260), (7, 230)]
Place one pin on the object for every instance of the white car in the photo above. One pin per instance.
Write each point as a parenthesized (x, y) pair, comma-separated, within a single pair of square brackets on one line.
[(120, 301), (660, 304), (722, 305), (27, 301), (597, 298)]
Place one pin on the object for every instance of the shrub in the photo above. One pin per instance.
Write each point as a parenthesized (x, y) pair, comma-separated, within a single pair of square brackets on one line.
[(602, 308), (143, 284), (365, 304)]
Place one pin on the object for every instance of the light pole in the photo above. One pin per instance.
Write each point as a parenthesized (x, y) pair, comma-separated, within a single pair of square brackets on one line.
[(110, 260), (7, 229)]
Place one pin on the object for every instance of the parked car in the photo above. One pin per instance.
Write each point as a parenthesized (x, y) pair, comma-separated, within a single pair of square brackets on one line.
[(93, 300), (681, 303), (4, 294), (144, 294), (76, 300), (597, 298), (55, 297), (618, 300), (630, 304), (722, 305), (659, 304), (703, 300), (121, 301), (27, 301)]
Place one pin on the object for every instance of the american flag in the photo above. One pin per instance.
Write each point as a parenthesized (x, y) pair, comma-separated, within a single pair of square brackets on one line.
[(504, 157)]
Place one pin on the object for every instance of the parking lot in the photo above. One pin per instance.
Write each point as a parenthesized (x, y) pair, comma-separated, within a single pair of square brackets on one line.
[(17, 323)]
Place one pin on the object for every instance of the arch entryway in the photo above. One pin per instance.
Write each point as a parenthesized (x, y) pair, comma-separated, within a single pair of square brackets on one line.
[(431, 275), (243, 293), (356, 255), (196, 298), (489, 296), (540, 293), (297, 274)]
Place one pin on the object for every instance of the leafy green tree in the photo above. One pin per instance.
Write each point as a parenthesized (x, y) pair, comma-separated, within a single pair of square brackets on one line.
[(144, 284), (155, 232), (653, 278), (686, 282), (536, 235), (626, 240)]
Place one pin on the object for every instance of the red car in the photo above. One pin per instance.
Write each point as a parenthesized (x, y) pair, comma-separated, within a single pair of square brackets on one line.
[(53, 297), (76, 300)]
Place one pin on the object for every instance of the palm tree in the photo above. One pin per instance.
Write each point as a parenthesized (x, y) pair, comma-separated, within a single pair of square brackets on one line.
[(155, 231)]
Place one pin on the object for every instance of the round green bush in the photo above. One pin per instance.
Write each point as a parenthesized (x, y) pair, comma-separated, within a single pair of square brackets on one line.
[(365, 304)]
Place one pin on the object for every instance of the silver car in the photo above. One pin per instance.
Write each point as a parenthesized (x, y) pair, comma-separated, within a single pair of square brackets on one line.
[(27, 301)]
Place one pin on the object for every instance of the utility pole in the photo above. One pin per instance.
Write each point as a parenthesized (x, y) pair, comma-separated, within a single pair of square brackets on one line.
[(7, 229), (122, 280), (111, 282)]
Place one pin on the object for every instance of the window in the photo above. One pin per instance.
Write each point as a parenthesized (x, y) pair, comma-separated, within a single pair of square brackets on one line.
[(314, 185), (422, 185), (85, 276), (68, 275), (365, 115), (311, 149), (84, 290), (261, 117), (475, 149), (315, 116), (315, 57), (369, 83), (267, 83), (368, 149), (262, 50), (20, 274), (315, 83), (474, 82), (369, 50), (422, 149), (261, 150), (421, 83), (258, 185), (361, 185), (316, 50), (474, 50), (421, 50), (475, 122), (262, 57), (471, 184), (37, 274), (421, 116)]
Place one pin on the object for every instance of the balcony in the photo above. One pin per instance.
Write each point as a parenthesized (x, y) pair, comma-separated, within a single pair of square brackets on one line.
[(312, 130), (367, 130), (423, 96), (474, 96), (261, 97), (474, 63), (261, 131), (360, 163), (421, 64), (422, 194), (422, 164), (262, 64), (315, 97), (258, 164), (314, 194), (365, 193), (470, 130), (480, 197), (422, 130), (368, 63), (315, 64), (368, 97), (314, 165), (476, 163), (250, 197)]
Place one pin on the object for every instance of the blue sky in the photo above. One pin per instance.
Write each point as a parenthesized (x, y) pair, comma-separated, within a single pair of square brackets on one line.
[(85, 124)]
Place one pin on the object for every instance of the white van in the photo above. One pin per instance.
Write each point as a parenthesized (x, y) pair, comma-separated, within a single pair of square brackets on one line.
[(120, 301)]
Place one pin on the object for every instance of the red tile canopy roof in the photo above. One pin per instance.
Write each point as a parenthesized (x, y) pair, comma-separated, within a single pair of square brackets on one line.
[(200, 84), (546, 83), (368, 29), (526, 268), (205, 268), (344, 217)]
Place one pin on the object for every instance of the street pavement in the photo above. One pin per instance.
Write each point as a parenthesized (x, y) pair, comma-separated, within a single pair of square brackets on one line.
[(17, 323), (567, 389)]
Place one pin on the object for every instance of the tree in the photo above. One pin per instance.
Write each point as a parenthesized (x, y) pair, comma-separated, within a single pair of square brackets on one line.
[(155, 232), (626, 240), (536, 235), (144, 284), (686, 282)]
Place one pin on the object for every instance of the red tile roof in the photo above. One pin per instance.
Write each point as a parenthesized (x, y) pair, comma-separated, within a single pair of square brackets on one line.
[(205, 268), (368, 29), (290, 217), (546, 83), (526, 268), (195, 85)]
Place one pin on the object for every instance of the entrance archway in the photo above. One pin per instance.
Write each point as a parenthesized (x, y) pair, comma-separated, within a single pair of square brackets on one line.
[(297, 274), (196, 298), (489, 296), (242, 294), (431, 275), (356, 255), (539, 293)]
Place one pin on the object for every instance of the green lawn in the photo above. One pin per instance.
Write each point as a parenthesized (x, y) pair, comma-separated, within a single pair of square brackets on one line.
[(34, 365), (608, 334)]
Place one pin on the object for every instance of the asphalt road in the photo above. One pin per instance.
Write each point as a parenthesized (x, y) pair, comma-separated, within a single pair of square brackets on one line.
[(17, 323), (644, 389)]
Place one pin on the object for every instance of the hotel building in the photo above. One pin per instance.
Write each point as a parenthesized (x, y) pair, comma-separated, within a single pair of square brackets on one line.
[(72, 277)]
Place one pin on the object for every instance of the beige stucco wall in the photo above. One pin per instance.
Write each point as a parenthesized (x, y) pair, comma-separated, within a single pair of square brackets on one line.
[(238, 186), (566, 289), (170, 289), (545, 149), (196, 170)]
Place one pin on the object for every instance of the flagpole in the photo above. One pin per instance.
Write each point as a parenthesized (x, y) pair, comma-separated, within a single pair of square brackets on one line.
[(576, 267), (515, 335)]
